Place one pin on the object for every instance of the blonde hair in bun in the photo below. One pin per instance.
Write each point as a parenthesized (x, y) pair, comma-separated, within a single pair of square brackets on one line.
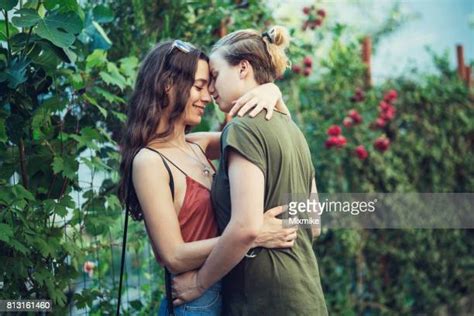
[(277, 42), (265, 52)]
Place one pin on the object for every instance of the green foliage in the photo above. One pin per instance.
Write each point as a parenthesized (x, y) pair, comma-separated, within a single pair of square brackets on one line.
[(59, 97), (388, 272), (66, 71)]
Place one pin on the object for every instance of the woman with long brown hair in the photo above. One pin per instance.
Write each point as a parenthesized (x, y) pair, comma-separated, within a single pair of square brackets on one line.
[(167, 175)]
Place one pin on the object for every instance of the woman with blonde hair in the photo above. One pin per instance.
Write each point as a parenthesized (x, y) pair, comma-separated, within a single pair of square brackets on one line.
[(261, 162)]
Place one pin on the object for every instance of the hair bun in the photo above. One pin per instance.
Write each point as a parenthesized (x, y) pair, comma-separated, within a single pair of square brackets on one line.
[(279, 40), (279, 36)]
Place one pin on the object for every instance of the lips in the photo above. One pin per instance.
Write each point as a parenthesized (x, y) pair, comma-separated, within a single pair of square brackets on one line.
[(200, 109)]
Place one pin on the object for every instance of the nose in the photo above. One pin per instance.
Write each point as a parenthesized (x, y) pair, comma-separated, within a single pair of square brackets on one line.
[(212, 88), (205, 96)]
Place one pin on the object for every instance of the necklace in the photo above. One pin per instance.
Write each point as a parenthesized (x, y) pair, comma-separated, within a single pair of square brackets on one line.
[(206, 171)]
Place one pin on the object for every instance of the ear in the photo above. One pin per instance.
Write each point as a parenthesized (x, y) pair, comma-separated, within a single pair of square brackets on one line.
[(245, 69)]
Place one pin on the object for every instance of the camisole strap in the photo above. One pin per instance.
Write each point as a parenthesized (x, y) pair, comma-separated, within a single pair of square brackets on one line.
[(210, 162), (166, 159), (202, 150)]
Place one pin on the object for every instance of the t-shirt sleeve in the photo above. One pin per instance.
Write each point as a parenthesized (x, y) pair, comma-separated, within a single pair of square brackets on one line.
[(246, 142)]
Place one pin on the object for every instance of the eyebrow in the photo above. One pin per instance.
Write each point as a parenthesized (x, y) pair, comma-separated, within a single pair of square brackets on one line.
[(204, 81)]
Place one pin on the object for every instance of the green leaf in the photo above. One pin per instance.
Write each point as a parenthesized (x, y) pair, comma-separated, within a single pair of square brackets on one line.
[(102, 33), (54, 104), (68, 167), (21, 193), (19, 246), (128, 66), (113, 77), (103, 14), (62, 5), (8, 4), (88, 138), (3, 30), (94, 103), (6, 232), (113, 202), (120, 116), (15, 72), (58, 165), (3, 131), (97, 58), (111, 98), (40, 119), (136, 304), (77, 81), (70, 54), (62, 53), (60, 28), (57, 296), (45, 57), (27, 18), (44, 248)]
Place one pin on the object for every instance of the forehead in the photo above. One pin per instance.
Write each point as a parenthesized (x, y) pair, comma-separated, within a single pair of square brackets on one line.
[(202, 70), (216, 60)]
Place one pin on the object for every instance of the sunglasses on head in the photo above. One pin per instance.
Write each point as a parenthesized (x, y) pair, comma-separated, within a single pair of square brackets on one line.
[(184, 47)]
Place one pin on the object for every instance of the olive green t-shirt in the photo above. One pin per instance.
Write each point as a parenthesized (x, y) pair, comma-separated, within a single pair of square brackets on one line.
[(276, 281)]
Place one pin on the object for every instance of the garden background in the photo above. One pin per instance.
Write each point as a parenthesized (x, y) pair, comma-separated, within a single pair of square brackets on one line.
[(67, 69)]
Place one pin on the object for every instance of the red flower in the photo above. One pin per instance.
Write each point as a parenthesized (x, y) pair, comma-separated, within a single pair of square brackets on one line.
[(382, 143), (391, 95), (361, 152), (88, 267), (387, 111), (336, 141), (307, 61), (296, 69), (307, 72), (334, 130), (321, 13), (383, 106), (380, 122), (358, 96), (318, 22), (347, 122), (389, 114), (306, 10), (355, 116)]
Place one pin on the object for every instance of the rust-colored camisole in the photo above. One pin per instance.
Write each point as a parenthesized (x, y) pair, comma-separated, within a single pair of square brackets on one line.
[(196, 217)]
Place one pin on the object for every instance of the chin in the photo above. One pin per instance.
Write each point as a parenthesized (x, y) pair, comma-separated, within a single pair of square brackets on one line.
[(194, 121), (224, 107)]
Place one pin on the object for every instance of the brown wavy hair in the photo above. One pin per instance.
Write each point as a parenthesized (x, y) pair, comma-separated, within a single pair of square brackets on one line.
[(164, 66)]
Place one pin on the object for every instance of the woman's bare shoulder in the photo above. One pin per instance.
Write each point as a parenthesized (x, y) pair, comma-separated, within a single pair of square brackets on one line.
[(147, 160)]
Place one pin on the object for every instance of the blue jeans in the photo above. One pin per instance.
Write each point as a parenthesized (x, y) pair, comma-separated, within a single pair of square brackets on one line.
[(208, 304)]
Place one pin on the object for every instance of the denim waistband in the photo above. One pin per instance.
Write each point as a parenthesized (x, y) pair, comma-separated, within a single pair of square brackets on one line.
[(215, 287)]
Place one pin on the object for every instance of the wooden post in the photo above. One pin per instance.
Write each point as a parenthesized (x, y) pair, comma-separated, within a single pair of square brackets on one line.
[(467, 76), (460, 55), (223, 27), (366, 55)]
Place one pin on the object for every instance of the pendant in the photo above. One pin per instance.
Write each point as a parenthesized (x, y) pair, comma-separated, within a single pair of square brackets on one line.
[(206, 172)]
